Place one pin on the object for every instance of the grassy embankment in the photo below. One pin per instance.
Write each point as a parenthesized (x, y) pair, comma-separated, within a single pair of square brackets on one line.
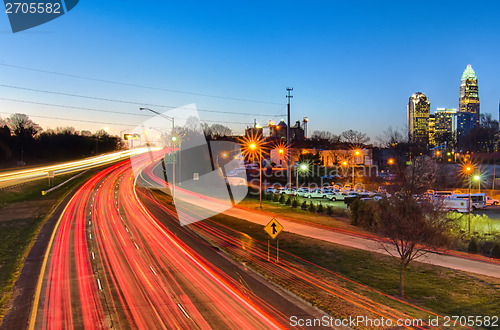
[(23, 213)]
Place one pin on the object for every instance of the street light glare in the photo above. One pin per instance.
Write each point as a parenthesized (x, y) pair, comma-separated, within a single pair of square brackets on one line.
[(303, 167), (253, 146), (477, 177)]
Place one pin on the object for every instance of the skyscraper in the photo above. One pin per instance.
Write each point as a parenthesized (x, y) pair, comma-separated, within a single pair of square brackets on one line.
[(445, 125), (469, 96), (418, 119), (432, 130)]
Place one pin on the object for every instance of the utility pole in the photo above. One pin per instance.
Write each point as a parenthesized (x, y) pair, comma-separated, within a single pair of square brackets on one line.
[(288, 167)]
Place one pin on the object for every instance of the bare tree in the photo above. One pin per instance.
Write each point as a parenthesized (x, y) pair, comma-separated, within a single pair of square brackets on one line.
[(414, 227), (325, 135), (22, 126), (68, 130), (418, 177), (355, 137), (390, 138), (218, 130)]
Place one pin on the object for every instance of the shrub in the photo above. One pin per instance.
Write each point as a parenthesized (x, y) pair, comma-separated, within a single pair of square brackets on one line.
[(495, 251), (365, 214), (282, 199), (311, 207), (269, 196), (320, 208), (329, 210), (288, 201), (473, 246), (303, 205), (295, 204), (276, 198)]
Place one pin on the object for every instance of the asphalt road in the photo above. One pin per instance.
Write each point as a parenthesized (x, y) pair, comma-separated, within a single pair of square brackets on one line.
[(113, 263)]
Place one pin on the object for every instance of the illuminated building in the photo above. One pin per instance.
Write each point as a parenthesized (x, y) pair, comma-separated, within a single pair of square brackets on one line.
[(418, 119), (278, 131), (432, 130), (469, 97), (445, 125)]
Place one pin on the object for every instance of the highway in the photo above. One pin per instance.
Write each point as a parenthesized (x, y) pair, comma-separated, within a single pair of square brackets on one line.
[(112, 263), (451, 259), (14, 177)]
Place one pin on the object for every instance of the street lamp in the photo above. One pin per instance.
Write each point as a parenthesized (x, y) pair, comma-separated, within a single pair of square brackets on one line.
[(468, 171), (302, 168), (252, 147), (174, 138), (478, 179)]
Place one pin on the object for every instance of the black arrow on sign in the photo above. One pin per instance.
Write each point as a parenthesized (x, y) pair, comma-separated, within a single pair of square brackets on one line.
[(274, 228)]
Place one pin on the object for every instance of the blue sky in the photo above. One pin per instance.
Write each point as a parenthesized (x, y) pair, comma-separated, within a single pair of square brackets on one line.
[(353, 64)]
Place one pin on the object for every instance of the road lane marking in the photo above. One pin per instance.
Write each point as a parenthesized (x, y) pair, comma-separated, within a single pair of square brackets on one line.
[(183, 311), (152, 270), (99, 284)]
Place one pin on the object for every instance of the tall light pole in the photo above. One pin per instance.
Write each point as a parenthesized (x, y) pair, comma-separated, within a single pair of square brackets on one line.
[(172, 119), (478, 179), (356, 153), (302, 167), (253, 146), (468, 171), (288, 167)]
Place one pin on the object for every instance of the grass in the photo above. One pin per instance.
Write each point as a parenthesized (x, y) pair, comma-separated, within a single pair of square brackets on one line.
[(304, 215), (18, 236), (29, 190), (437, 289)]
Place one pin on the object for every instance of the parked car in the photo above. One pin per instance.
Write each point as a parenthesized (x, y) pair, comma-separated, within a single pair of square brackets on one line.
[(315, 193), (287, 191), (491, 201), (302, 191), (272, 190), (339, 195)]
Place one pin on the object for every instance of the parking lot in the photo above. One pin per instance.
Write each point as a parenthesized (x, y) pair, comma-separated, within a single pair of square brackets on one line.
[(491, 211)]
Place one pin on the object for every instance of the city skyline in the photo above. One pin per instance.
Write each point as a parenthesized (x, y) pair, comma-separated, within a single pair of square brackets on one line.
[(342, 67)]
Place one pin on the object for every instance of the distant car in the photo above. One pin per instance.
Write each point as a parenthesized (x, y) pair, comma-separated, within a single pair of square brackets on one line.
[(315, 193), (302, 191), (491, 201), (272, 190), (340, 196), (287, 191)]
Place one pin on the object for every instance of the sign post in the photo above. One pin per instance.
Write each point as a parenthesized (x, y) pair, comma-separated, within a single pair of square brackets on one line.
[(273, 229), (50, 175)]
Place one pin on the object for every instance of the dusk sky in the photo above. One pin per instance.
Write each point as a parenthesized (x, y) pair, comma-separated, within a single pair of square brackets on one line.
[(352, 64)]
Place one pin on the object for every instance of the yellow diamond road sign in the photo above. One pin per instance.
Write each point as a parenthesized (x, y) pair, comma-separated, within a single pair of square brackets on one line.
[(273, 228)]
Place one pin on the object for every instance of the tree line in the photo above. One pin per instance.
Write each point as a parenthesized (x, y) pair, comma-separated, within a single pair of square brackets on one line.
[(24, 142)]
